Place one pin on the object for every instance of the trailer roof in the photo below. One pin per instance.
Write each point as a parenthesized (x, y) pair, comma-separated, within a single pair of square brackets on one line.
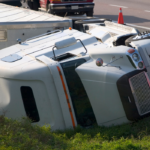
[(11, 13)]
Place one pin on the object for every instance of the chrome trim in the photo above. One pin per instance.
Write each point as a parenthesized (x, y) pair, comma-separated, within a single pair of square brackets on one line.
[(35, 24), (135, 62), (61, 7), (79, 7), (42, 35), (148, 80), (141, 92), (73, 1), (71, 4), (88, 6)]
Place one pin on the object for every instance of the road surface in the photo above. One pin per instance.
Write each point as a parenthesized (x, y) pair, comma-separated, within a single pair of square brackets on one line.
[(134, 11)]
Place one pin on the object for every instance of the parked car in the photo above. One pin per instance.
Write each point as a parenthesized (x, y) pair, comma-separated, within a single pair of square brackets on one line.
[(62, 7)]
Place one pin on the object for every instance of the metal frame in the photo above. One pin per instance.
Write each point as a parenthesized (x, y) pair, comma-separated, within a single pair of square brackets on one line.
[(76, 40), (90, 3), (136, 63), (41, 35), (82, 44), (35, 24)]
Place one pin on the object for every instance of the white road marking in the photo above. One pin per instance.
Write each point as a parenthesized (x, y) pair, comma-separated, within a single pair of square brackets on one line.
[(118, 6), (133, 25), (147, 10), (138, 26)]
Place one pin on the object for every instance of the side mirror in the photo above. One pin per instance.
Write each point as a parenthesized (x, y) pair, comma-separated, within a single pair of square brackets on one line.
[(99, 62)]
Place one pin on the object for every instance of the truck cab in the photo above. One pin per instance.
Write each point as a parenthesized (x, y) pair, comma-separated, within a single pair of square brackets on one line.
[(69, 78)]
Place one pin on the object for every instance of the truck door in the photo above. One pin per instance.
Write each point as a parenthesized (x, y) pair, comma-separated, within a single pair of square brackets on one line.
[(80, 101), (75, 105)]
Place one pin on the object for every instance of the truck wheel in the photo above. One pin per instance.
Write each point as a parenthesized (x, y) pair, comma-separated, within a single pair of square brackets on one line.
[(32, 5), (29, 4), (35, 5), (129, 40), (47, 7), (141, 37), (89, 13)]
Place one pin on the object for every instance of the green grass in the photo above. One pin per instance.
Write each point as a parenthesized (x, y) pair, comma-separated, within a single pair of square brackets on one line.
[(20, 135)]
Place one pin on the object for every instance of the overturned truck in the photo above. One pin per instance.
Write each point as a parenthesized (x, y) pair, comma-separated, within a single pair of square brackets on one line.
[(69, 78)]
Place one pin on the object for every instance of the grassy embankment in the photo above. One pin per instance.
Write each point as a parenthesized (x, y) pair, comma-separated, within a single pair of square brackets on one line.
[(21, 135)]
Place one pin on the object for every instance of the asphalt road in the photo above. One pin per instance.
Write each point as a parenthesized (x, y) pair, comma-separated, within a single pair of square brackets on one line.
[(135, 12)]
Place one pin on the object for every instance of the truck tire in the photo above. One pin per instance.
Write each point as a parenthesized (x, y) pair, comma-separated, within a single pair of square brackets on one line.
[(35, 5), (89, 13), (130, 39), (29, 4)]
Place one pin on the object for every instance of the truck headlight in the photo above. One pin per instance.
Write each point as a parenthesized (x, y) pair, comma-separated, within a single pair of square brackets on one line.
[(140, 65), (135, 57)]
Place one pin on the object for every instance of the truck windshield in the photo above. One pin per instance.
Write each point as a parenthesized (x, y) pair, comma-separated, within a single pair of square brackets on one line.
[(82, 106)]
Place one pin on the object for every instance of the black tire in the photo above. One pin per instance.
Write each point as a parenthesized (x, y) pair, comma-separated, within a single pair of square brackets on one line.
[(35, 5), (47, 6), (130, 39), (30, 4), (89, 13)]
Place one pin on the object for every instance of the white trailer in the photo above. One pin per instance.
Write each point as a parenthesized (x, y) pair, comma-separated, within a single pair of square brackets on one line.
[(71, 78), (18, 24)]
